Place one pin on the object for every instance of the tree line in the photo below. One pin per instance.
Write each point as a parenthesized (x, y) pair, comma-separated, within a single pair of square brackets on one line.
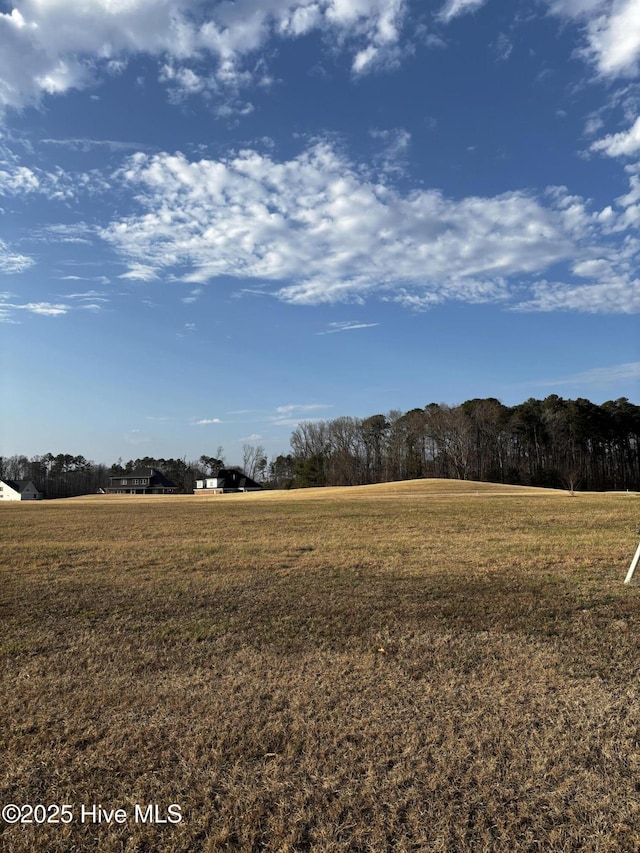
[(573, 444), (64, 475)]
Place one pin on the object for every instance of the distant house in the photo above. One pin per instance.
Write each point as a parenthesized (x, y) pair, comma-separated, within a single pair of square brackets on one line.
[(19, 490), (227, 480), (144, 481)]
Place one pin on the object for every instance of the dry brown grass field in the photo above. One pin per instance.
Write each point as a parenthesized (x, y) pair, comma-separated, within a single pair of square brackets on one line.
[(430, 666)]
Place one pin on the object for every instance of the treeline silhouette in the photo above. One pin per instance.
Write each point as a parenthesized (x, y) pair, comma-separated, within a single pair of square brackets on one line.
[(64, 475), (572, 444)]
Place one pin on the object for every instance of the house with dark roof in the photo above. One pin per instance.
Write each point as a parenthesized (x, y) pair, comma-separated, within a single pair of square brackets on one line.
[(19, 490), (227, 480), (143, 481)]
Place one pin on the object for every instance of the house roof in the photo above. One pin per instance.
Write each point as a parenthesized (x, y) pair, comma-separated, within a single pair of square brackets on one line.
[(139, 472), (232, 478), (19, 485), (154, 476)]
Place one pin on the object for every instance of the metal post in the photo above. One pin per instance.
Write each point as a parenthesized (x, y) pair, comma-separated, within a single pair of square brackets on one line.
[(633, 565)]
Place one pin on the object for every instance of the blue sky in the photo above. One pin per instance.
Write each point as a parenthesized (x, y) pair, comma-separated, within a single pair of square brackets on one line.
[(218, 219)]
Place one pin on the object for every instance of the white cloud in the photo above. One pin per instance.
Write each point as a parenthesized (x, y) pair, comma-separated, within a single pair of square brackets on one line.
[(576, 8), (614, 38), (12, 262), (593, 124), (92, 301), (47, 309), (193, 296), (454, 8), (301, 408), (596, 268), (621, 295), (602, 376), (58, 45), (395, 142), (612, 33), (347, 326), (472, 291), (365, 59), (57, 185), (295, 413), (93, 295), (633, 196), (85, 144), (9, 310), (140, 272), (415, 301), (78, 232), (17, 180), (89, 295), (621, 144), (503, 47), (609, 262), (323, 229), (206, 421)]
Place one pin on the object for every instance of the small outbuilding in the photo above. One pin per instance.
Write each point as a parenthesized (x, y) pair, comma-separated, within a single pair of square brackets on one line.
[(19, 490), (227, 480)]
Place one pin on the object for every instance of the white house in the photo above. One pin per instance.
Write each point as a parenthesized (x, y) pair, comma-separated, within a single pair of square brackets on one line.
[(19, 490), (227, 480), (209, 485)]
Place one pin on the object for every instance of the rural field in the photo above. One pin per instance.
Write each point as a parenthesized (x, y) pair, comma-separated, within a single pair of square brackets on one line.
[(427, 666)]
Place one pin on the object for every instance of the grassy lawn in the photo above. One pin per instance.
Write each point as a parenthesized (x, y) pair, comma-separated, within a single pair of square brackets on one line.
[(427, 666)]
